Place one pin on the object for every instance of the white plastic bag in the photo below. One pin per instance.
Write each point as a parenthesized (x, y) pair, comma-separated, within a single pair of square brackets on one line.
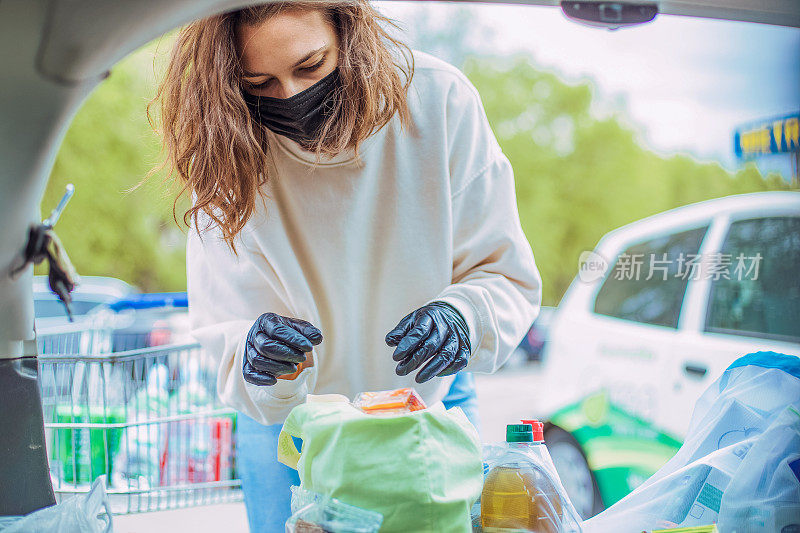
[(740, 464), (769, 476), (86, 513)]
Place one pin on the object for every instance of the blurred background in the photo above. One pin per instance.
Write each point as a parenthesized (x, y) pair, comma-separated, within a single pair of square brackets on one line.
[(603, 129)]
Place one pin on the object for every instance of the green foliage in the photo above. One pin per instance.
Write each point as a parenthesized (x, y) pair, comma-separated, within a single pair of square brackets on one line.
[(578, 175), (108, 149)]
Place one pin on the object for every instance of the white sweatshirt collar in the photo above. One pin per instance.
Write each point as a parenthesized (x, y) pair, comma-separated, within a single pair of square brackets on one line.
[(298, 153)]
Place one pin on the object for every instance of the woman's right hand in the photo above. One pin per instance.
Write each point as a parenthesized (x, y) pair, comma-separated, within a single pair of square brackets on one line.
[(275, 345)]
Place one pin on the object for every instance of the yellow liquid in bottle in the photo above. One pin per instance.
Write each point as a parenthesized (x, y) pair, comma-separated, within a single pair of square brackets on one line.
[(519, 497)]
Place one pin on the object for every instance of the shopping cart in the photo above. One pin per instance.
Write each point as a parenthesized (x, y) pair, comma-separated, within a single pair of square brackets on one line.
[(147, 419)]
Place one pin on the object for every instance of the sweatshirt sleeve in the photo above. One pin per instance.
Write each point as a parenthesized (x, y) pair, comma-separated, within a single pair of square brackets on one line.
[(226, 294), (495, 285)]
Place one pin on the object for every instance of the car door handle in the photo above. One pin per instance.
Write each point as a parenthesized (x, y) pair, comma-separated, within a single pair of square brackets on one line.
[(695, 370)]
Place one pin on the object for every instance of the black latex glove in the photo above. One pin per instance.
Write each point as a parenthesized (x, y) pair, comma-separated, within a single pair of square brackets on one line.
[(275, 344), (435, 335)]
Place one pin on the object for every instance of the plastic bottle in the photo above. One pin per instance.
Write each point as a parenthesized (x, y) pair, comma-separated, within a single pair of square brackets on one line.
[(143, 443), (188, 444), (519, 493)]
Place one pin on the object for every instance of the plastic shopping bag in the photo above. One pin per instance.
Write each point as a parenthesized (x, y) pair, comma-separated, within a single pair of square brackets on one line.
[(422, 471), (740, 464), (314, 512), (85, 513)]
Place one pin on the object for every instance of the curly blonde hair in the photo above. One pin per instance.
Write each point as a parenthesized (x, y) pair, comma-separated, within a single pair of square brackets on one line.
[(219, 152)]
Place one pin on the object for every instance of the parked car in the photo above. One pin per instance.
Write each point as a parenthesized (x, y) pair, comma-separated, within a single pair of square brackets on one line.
[(630, 352), (534, 341)]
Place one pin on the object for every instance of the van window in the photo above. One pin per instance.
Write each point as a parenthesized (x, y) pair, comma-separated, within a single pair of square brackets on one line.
[(761, 295), (648, 280)]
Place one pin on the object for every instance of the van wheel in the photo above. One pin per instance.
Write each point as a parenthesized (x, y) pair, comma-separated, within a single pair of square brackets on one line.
[(574, 471)]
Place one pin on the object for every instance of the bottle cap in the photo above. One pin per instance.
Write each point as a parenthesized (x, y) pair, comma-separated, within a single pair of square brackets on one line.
[(537, 429), (519, 433)]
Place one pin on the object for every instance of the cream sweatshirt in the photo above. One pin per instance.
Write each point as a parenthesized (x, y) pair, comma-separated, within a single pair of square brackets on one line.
[(353, 245)]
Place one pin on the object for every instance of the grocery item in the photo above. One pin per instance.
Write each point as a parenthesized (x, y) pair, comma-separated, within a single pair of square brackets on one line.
[(308, 363), (390, 402), (520, 496), (314, 513), (196, 449), (86, 425), (420, 470), (266, 359), (183, 447), (301, 526), (521, 490), (738, 464), (141, 457), (83, 454)]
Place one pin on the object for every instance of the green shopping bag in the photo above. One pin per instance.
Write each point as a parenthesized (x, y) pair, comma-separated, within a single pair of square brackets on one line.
[(422, 471)]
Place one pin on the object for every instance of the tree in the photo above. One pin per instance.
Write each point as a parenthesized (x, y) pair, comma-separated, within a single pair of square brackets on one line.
[(107, 150), (579, 176)]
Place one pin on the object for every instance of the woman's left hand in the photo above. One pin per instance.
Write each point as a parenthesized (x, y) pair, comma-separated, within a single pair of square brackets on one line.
[(435, 335)]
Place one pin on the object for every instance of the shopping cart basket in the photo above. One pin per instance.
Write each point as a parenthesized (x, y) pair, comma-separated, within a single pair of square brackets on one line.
[(147, 419)]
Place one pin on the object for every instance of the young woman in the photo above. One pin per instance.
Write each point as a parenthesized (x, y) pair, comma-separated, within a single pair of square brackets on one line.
[(353, 218)]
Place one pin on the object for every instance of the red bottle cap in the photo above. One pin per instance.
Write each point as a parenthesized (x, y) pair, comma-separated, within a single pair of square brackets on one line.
[(538, 429)]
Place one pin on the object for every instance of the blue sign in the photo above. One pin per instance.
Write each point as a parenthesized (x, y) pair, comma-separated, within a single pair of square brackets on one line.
[(775, 136)]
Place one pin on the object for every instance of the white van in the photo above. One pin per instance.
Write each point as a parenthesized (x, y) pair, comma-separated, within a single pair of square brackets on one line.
[(657, 312)]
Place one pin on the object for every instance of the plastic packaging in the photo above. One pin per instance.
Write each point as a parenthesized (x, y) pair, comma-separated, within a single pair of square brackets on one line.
[(140, 457), (421, 471), (314, 513), (186, 449), (389, 402), (522, 491), (195, 450), (739, 466), (85, 513)]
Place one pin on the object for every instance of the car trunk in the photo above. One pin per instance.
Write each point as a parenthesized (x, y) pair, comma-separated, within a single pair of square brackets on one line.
[(54, 53)]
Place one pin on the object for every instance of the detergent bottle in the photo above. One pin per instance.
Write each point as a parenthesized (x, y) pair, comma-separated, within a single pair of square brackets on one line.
[(522, 491)]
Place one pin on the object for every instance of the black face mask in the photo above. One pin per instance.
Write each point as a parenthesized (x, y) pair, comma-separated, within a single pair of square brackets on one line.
[(299, 117)]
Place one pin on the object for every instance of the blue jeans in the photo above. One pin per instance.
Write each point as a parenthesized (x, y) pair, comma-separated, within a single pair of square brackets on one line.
[(266, 482)]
